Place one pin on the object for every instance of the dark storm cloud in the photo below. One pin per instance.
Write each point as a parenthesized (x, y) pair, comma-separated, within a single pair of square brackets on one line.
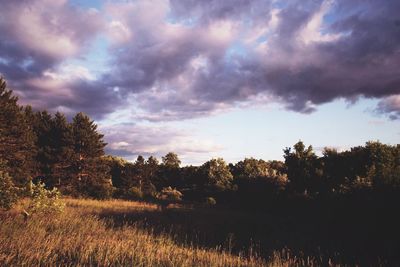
[(318, 51), (184, 59), (36, 37)]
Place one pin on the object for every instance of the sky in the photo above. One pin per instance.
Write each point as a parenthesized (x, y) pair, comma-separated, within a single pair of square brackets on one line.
[(210, 78)]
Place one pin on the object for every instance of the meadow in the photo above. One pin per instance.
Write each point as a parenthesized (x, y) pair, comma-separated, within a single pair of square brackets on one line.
[(86, 233), (340, 208)]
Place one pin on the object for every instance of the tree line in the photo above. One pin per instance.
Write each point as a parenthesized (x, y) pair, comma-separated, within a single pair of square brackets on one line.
[(69, 155)]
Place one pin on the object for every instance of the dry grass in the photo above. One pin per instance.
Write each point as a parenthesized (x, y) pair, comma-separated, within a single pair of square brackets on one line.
[(109, 206), (79, 238)]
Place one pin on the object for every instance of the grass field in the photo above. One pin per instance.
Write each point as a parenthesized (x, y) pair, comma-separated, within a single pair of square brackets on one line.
[(83, 236)]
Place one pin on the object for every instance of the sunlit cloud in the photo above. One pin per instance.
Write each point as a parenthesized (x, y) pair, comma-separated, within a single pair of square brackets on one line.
[(164, 61)]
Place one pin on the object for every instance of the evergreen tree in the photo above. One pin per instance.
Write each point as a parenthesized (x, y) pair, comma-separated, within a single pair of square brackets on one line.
[(63, 151), (16, 137), (140, 169), (152, 168), (54, 147), (171, 160), (118, 168), (44, 157), (91, 173), (170, 173), (130, 175)]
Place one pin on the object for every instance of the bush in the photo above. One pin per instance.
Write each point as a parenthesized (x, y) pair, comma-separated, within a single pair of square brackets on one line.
[(135, 193), (171, 194), (8, 192), (211, 201), (44, 200), (103, 190), (148, 189)]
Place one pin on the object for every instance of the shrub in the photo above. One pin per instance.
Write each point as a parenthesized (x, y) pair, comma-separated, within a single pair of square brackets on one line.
[(102, 190), (135, 193), (211, 201), (171, 194), (8, 192), (44, 200), (148, 189)]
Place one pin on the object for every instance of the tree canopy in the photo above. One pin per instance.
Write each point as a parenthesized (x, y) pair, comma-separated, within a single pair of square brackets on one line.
[(70, 155)]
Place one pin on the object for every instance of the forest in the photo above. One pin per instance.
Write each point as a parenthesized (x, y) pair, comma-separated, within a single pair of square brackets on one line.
[(340, 207)]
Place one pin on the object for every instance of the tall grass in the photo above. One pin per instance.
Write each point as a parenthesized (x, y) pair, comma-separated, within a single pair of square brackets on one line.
[(78, 237)]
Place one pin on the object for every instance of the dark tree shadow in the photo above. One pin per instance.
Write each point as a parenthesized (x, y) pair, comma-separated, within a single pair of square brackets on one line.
[(356, 233)]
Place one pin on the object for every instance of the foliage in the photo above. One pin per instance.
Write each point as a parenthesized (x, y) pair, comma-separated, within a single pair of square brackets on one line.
[(8, 192), (45, 201), (211, 201), (151, 169), (69, 155), (148, 188), (117, 168), (47, 147), (99, 189), (302, 169), (54, 142), (171, 194), (383, 164), (251, 168), (135, 193), (171, 160), (217, 175), (91, 174), (16, 137)]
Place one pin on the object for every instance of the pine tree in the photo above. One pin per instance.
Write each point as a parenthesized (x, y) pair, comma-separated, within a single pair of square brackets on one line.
[(44, 158), (91, 171), (16, 137), (169, 173), (62, 150)]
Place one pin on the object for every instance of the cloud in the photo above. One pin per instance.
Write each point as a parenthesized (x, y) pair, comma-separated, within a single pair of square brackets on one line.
[(390, 106), (184, 59), (312, 30), (45, 31), (130, 140), (304, 53), (37, 38)]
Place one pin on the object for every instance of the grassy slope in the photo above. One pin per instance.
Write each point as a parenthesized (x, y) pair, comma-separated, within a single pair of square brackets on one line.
[(79, 237)]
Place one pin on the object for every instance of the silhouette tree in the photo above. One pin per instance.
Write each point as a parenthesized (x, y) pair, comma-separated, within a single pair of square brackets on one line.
[(171, 160), (16, 137), (62, 150), (45, 157), (302, 169), (151, 169), (117, 167), (383, 164), (169, 172), (91, 171)]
